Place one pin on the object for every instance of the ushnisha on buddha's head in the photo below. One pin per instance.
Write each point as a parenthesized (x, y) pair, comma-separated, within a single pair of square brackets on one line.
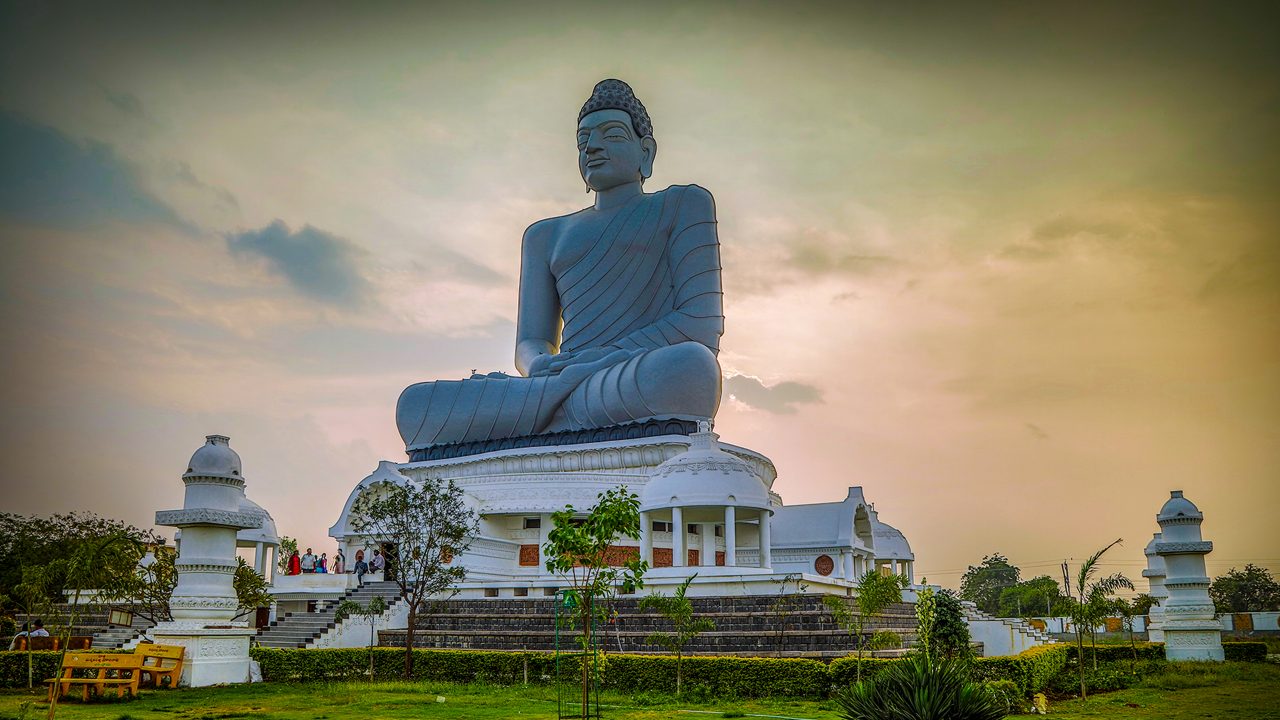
[(615, 138)]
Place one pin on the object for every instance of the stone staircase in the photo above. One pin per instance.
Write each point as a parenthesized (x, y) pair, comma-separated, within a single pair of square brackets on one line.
[(116, 637), (744, 626), (296, 630), (1020, 626)]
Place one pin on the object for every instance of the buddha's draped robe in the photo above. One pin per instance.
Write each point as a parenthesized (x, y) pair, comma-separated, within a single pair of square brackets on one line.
[(649, 281)]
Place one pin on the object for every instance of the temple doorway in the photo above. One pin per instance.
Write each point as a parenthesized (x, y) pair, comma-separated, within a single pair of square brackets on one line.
[(391, 558)]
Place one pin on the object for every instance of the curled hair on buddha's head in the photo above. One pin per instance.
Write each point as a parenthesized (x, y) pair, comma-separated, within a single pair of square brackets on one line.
[(613, 94)]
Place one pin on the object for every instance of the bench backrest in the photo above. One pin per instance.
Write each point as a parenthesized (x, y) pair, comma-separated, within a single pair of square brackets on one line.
[(98, 661), (40, 642), (159, 655)]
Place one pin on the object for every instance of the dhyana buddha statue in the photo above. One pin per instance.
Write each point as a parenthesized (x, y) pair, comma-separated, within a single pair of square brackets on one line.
[(620, 311)]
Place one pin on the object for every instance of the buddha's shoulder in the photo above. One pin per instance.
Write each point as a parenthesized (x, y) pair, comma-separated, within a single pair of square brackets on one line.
[(692, 201)]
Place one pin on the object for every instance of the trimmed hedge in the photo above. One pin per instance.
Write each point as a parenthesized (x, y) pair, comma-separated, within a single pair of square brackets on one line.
[(1117, 653), (13, 667), (1238, 651), (1245, 651), (1030, 670), (724, 677)]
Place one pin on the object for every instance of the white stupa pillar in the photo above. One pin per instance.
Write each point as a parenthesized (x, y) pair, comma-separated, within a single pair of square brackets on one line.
[(678, 555), (766, 547), (707, 557), (730, 536), (1191, 628), (1155, 588), (260, 559), (646, 538), (203, 604), (846, 565)]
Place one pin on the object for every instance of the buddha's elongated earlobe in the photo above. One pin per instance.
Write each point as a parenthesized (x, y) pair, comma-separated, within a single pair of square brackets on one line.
[(588, 189)]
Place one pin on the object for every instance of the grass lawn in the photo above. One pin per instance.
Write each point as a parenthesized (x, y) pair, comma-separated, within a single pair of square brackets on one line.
[(389, 700), (1234, 691), (1231, 691)]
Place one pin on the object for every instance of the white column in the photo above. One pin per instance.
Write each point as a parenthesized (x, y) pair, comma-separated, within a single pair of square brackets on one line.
[(646, 538), (708, 534), (259, 559), (911, 572), (766, 550), (730, 537), (846, 563), (678, 554)]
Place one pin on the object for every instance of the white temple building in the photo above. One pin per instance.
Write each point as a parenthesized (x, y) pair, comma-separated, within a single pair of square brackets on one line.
[(739, 536)]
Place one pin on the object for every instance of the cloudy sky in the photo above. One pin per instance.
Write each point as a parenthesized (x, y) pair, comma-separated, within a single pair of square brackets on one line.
[(1013, 269)]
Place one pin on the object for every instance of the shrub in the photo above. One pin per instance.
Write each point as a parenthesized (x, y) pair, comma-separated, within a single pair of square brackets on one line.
[(1031, 670), (13, 667), (1006, 695), (642, 675), (916, 689), (1120, 653), (1245, 651), (843, 671)]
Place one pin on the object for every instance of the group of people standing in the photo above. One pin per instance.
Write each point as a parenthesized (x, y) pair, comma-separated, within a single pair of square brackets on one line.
[(309, 563)]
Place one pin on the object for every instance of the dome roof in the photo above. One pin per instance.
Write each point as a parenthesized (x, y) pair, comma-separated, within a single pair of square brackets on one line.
[(265, 534), (214, 459), (704, 476), (890, 543), (1178, 508)]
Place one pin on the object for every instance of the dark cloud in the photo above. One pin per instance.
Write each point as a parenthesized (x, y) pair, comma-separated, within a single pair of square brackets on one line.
[(1253, 273), (223, 195), (1036, 431), (125, 102), (48, 178), (318, 264), (780, 399), (1062, 235), (817, 257)]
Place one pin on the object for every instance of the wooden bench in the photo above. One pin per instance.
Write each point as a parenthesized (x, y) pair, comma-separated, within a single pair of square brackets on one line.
[(41, 642), (161, 664), (90, 671)]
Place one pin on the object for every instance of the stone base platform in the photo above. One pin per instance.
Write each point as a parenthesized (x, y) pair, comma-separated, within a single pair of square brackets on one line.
[(215, 654), (748, 625)]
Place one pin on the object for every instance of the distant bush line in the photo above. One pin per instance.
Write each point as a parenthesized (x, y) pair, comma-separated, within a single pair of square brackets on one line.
[(726, 677)]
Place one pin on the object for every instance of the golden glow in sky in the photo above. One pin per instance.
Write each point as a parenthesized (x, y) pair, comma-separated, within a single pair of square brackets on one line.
[(1013, 268)]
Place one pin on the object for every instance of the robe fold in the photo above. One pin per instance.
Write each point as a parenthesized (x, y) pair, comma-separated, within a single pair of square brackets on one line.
[(649, 284)]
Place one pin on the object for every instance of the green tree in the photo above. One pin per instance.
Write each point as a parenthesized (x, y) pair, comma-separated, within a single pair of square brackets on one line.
[(31, 541), (1031, 598), (1250, 590), (1142, 604), (370, 612), (288, 546), (429, 524), (983, 584), (784, 605), (678, 610), (100, 563), (577, 549), (1091, 604), (32, 598), (949, 631), (876, 593)]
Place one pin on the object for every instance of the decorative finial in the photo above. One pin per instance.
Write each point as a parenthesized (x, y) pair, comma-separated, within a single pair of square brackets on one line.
[(704, 426), (613, 94), (1175, 494), (217, 439)]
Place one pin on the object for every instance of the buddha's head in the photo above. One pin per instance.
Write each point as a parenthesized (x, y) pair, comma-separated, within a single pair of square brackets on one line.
[(615, 137)]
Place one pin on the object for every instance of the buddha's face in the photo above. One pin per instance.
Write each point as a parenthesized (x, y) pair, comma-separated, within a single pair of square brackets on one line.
[(609, 153)]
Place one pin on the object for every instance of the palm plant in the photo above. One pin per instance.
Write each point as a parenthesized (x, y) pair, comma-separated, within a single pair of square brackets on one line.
[(376, 607), (678, 609), (1092, 604), (917, 688)]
